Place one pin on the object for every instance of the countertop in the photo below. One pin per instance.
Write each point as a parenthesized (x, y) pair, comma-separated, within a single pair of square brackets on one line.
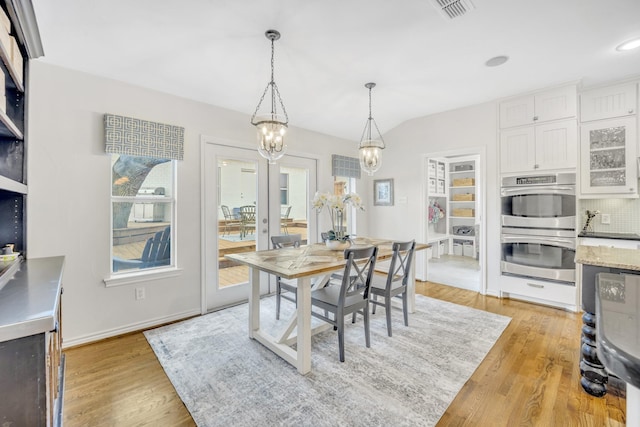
[(617, 309), (603, 235), (29, 301), (627, 259)]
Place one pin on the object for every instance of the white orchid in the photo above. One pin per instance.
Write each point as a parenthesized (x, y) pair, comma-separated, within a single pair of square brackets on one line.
[(336, 205)]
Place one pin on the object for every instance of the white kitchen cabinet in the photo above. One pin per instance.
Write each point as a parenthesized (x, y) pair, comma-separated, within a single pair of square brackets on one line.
[(608, 102), (547, 146), (553, 104), (608, 156)]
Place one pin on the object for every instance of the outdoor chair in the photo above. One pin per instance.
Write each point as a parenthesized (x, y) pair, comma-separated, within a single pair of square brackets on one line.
[(156, 253), (230, 221), (248, 220)]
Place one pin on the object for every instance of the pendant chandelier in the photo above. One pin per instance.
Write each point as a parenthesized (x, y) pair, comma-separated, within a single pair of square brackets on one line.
[(272, 126), (371, 145)]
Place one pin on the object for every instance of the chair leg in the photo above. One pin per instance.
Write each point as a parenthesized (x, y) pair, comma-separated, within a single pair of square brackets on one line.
[(405, 310), (373, 309), (367, 335), (341, 337), (387, 308)]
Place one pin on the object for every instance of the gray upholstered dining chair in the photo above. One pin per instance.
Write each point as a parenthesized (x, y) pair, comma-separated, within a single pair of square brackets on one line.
[(352, 296), (395, 283), (289, 286)]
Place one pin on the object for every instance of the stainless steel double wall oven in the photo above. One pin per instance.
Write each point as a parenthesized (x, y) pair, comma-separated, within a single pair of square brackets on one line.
[(538, 227)]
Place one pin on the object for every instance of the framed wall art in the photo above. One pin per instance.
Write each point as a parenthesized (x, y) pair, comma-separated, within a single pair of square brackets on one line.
[(383, 192)]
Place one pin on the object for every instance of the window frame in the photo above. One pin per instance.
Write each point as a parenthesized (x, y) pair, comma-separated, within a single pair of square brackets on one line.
[(170, 200)]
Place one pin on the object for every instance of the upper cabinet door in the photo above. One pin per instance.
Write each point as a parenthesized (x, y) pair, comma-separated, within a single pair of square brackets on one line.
[(517, 112), (555, 104), (517, 150), (608, 155), (557, 145), (608, 102)]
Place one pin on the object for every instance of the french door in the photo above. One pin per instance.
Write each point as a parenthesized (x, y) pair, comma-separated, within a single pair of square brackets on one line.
[(246, 201)]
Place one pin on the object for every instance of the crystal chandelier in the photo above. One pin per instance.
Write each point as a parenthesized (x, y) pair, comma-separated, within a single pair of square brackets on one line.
[(271, 126), (370, 149)]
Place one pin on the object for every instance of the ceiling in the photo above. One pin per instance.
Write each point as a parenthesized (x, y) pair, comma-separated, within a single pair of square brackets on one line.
[(215, 51)]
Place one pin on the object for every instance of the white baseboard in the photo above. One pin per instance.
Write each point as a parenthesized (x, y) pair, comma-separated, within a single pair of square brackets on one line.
[(86, 339)]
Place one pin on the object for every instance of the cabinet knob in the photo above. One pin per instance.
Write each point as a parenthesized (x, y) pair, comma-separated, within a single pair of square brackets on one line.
[(535, 118), (536, 166), (631, 111)]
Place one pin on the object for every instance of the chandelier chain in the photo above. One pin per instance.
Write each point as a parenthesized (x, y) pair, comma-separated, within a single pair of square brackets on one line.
[(274, 91)]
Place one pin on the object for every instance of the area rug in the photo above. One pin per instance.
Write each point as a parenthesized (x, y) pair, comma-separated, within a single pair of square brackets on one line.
[(237, 238), (224, 378)]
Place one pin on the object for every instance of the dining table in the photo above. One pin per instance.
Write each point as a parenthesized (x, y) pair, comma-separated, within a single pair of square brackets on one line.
[(303, 263)]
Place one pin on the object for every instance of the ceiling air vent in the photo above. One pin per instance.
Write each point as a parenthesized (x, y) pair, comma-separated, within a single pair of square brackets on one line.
[(453, 8)]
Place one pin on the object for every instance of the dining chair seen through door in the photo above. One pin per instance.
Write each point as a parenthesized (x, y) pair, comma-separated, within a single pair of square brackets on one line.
[(396, 282), (288, 286), (352, 296)]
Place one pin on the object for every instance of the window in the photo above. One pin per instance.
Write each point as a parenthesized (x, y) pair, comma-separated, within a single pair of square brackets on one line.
[(284, 188), (143, 206)]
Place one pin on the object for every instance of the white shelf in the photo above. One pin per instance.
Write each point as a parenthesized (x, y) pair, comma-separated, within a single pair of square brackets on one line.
[(9, 126), (462, 201), (468, 238), (462, 187), (11, 185), (462, 217), (6, 58), (461, 172)]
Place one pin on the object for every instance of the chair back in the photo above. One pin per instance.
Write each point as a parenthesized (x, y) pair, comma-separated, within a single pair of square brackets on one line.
[(324, 236), (248, 213), (226, 212), (358, 272), (401, 262), (157, 250), (285, 211), (286, 240)]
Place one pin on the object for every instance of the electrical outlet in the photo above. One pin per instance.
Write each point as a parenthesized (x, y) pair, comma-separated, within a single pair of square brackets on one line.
[(605, 218), (140, 293)]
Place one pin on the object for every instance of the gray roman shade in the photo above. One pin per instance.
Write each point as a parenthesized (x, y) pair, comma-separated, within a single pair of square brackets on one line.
[(135, 137), (345, 166)]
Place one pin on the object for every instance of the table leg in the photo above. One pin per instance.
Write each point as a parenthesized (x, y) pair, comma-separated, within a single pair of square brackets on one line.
[(304, 325), (254, 301), (411, 288)]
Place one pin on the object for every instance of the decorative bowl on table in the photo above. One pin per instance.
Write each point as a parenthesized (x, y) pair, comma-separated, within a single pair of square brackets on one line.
[(337, 245)]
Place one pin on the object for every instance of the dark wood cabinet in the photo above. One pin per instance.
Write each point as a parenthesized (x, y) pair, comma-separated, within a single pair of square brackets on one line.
[(31, 360)]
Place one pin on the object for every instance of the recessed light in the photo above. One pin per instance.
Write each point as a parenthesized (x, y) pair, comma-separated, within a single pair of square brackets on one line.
[(629, 44), (496, 60)]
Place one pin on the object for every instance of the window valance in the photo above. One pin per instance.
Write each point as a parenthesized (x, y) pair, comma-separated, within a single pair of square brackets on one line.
[(135, 137), (345, 166)]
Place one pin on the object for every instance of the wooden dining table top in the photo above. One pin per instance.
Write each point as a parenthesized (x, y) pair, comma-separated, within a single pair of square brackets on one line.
[(309, 260)]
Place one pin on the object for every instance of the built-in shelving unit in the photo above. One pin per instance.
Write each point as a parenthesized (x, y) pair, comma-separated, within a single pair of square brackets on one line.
[(462, 207), (438, 234), (17, 39)]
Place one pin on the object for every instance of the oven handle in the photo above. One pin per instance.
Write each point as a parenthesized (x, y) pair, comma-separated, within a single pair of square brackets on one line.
[(552, 241), (567, 191)]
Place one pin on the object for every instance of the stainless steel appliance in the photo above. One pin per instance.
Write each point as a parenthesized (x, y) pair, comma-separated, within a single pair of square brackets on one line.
[(538, 227)]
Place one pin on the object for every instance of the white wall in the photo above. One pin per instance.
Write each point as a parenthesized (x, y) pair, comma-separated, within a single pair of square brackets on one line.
[(69, 187), (408, 144)]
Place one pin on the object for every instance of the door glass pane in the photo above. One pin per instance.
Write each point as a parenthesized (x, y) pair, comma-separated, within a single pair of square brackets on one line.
[(294, 201), (237, 222)]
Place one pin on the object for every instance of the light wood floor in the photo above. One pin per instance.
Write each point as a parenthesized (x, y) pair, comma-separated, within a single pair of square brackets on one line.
[(530, 377)]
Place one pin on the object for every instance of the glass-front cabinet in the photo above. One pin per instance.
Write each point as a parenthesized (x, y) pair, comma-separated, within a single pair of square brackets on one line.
[(608, 155)]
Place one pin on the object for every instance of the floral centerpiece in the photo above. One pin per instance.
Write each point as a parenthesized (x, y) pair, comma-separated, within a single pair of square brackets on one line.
[(336, 205)]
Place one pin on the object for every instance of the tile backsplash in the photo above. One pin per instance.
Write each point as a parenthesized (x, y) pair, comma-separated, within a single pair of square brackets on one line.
[(625, 215)]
